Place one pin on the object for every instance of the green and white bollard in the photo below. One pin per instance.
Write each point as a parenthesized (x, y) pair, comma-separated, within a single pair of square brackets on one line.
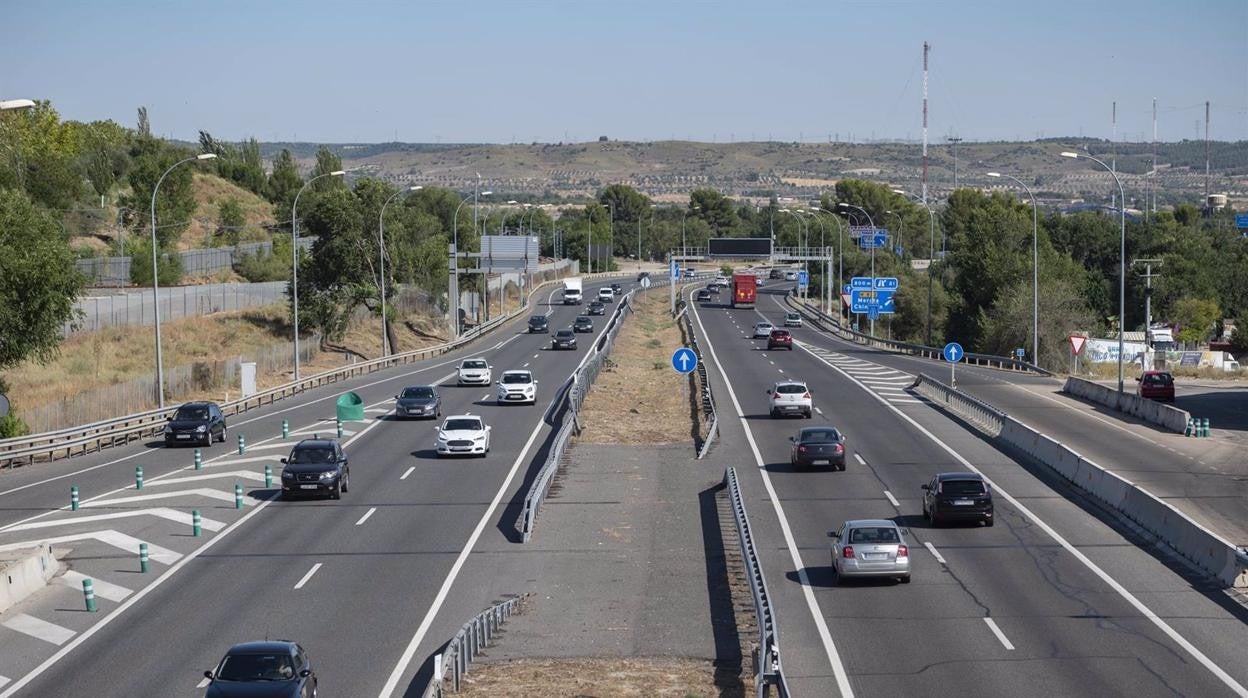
[(143, 558), (88, 593), (268, 476), (197, 523), (242, 445), (238, 496), (339, 425), (285, 430), (1204, 426), (73, 498), (199, 459), (138, 477)]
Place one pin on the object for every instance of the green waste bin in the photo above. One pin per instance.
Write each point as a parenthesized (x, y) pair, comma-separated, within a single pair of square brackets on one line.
[(350, 407)]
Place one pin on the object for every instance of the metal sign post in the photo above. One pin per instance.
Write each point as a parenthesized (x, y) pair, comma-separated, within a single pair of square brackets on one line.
[(953, 354)]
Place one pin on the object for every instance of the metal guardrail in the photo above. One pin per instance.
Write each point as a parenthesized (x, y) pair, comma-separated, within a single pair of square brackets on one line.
[(473, 637), (935, 353), (708, 400), (968, 406), (770, 671), (89, 438)]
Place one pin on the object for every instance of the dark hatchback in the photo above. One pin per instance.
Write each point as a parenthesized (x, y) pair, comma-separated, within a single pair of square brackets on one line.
[(1156, 385), (957, 497), (780, 338), (597, 308), (195, 423), (702, 296), (563, 339), (539, 323), (272, 668), (617, 290), (712, 288), (815, 446), (418, 401), (315, 467), (583, 323)]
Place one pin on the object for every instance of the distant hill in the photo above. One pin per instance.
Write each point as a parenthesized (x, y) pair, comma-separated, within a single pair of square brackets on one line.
[(667, 170)]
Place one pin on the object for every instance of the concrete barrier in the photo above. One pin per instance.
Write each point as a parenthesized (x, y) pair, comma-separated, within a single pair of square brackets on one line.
[(1151, 411), (25, 571)]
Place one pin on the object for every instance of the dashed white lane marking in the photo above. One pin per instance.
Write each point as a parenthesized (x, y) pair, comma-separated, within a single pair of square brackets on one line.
[(203, 683), (39, 629), (932, 549), (891, 499), (407, 472), (819, 411), (103, 589), (306, 577), (780, 370), (859, 459), (1000, 635), (526, 365), (365, 516), (536, 355), (485, 397), (773, 363), (906, 401)]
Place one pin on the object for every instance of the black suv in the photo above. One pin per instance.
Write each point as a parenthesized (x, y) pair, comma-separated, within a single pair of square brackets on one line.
[(315, 467), (563, 339), (195, 422), (583, 323), (261, 669), (957, 497), (597, 308), (538, 323), (617, 290)]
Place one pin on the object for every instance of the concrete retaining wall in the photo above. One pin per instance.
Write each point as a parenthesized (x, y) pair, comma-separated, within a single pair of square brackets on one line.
[(1201, 547), (1151, 411), (23, 572)]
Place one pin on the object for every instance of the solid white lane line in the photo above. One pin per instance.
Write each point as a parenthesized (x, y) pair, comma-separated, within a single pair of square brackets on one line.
[(891, 499), (859, 459), (306, 577), (407, 472), (39, 629), (932, 549), (365, 516), (103, 589), (1000, 635), (1122, 591), (203, 683), (821, 625)]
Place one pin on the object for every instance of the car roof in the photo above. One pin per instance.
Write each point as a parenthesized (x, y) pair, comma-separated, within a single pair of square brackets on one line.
[(465, 416), (198, 403), (474, 358), (789, 382), (518, 371), (1156, 373), (258, 646), (945, 477), (871, 523), (432, 387), (316, 443), (803, 430), (538, 317)]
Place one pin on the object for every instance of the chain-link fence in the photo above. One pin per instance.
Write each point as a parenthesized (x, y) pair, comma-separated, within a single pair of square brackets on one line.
[(103, 309), (108, 272)]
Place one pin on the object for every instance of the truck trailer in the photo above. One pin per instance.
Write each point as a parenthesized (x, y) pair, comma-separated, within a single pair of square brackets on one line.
[(744, 290)]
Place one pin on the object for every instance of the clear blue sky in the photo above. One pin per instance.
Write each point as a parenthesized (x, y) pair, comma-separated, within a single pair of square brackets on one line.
[(553, 70)]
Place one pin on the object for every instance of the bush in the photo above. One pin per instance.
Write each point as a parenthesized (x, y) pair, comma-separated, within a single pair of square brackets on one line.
[(169, 265), (262, 266), (11, 425)]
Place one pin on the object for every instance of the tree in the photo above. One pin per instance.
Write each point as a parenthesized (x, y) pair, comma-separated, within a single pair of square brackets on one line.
[(144, 126), (230, 222), (327, 161), (175, 203), (1239, 342), (715, 210), (39, 281), (1195, 318), (284, 183)]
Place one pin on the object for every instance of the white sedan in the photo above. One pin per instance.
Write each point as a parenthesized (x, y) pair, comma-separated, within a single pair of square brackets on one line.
[(463, 435), (473, 372), (517, 386), (763, 330)]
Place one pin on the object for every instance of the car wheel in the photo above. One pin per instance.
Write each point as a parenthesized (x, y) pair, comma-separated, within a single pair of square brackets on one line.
[(836, 576), (346, 482), (988, 522), (933, 519), (809, 414), (905, 579), (773, 414), (223, 430)]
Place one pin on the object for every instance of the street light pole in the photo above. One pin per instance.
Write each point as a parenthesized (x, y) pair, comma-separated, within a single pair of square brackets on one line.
[(381, 259), (870, 222), (823, 229), (160, 358), (294, 256), (1122, 258), (611, 233), (1035, 269)]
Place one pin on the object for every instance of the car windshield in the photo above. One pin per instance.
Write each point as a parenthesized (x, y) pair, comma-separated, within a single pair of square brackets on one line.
[(790, 388), (820, 436), (563, 334), (794, 316), (763, 325), (256, 667), (474, 364), (422, 393), (537, 320), (960, 487), (873, 534), (1158, 379), (513, 378), (189, 413), (313, 454), (462, 425), (583, 318)]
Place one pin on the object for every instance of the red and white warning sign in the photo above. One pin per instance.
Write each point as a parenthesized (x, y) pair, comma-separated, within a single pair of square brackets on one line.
[(1077, 342)]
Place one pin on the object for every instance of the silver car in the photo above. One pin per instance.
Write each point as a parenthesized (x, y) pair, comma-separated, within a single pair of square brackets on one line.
[(763, 330), (870, 548)]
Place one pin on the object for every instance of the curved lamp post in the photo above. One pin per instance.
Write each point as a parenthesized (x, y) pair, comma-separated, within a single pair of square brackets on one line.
[(294, 255), (160, 359)]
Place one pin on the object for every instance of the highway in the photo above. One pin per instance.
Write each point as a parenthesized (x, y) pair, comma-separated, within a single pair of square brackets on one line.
[(355, 581), (1050, 601)]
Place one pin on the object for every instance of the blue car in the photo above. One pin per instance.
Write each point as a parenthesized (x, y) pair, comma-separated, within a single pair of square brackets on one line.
[(268, 669)]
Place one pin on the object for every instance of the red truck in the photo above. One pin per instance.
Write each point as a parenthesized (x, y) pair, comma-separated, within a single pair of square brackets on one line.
[(744, 290)]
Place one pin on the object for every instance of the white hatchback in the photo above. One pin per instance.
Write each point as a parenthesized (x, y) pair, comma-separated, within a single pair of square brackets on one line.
[(763, 330), (517, 386), (790, 398), (473, 372)]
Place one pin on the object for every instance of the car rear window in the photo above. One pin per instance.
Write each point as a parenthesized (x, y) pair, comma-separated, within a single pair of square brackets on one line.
[(958, 487), (873, 534), (475, 364), (818, 436), (312, 455), (1158, 379), (779, 333), (423, 393), (463, 425), (793, 316), (790, 388)]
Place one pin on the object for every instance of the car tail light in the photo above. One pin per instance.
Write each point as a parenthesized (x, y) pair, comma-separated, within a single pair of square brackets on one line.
[(776, 397), (847, 552), (903, 551), (838, 448), (807, 395), (801, 449)]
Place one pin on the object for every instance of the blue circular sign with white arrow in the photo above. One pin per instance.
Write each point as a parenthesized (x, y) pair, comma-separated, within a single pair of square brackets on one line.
[(953, 352), (684, 360)]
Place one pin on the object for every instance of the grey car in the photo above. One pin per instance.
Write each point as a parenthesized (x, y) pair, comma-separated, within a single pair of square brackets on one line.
[(870, 548), (418, 401)]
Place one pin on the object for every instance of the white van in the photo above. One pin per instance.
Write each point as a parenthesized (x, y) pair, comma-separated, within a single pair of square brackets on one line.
[(605, 294)]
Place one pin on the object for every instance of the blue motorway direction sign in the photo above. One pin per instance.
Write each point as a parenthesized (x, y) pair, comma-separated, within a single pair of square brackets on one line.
[(866, 301), (675, 271), (953, 352), (684, 360), (886, 283), (803, 278), (847, 289), (879, 239), (1241, 220), (859, 282)]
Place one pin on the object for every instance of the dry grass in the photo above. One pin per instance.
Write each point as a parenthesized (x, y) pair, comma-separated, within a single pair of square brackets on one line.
[(639, 399), (210, 191), (592, 677)]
